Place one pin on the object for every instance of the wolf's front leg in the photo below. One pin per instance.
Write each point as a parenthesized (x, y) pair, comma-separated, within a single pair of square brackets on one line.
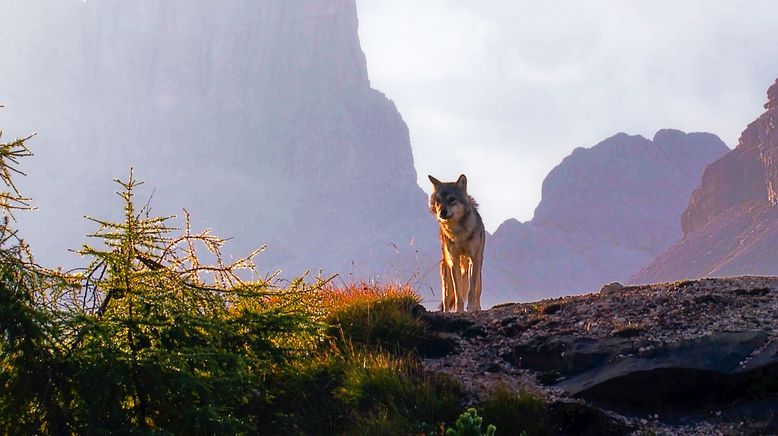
[(459, 287), (447, 294)]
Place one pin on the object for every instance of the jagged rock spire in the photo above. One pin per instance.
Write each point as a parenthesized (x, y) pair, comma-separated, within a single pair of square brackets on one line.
[(772, 96)]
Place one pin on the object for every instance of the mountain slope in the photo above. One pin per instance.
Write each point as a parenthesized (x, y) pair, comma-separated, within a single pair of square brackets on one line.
[(258, 117), (731, 223), (605, 211)]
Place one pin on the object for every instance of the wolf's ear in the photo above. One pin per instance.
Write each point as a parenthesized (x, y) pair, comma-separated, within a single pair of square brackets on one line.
[(462, 182), (435, 182)]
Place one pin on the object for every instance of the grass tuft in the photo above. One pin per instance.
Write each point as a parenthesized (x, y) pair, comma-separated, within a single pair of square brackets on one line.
[(366, 315), (356, 391)]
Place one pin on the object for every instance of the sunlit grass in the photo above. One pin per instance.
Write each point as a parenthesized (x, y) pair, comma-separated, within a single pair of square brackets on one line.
[(336, 298), (348, 390), (377, 316)]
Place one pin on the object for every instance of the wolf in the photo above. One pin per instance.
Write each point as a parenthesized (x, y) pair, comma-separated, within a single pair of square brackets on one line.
[(462, 236)]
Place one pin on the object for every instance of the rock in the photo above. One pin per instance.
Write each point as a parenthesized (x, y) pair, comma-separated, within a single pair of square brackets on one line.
[(578, 418), (611, 287), (437, 345), (567, 354), (772, 96), (730, 226), (446, 322), (682, 375)]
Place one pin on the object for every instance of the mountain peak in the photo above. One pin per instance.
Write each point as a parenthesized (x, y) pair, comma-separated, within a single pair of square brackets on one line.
[(605, 211), (678, 138), (668, 135)]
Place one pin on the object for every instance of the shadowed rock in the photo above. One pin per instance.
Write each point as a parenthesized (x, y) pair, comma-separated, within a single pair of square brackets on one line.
[(568, 354), (684, 375)]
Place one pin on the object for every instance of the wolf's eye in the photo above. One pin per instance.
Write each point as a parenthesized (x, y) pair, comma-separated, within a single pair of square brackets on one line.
[(452, 200)]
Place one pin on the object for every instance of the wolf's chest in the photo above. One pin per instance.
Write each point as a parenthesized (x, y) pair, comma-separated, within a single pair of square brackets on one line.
[(457, 241)]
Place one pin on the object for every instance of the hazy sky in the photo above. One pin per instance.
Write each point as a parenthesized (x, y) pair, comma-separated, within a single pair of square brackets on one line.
[(502, 90)]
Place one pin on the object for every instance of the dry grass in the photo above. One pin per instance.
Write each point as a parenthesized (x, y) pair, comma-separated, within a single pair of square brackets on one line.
[(335, 298), (375, 316)]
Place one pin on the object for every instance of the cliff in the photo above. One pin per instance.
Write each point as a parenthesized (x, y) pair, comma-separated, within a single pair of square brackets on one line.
[(605, 211), (258, 117), (731, 223)]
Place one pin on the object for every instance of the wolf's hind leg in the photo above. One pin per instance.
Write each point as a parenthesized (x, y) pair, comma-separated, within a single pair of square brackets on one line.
[(474, 296)]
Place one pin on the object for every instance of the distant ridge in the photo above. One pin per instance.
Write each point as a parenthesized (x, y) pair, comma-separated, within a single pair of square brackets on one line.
[(731, 223), (605, 211)]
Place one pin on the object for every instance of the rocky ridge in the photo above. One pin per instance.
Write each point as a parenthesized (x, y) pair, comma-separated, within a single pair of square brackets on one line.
[(691, 357), (731, 223)]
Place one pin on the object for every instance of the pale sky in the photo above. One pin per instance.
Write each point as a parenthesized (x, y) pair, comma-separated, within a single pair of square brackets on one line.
[(502, 90)]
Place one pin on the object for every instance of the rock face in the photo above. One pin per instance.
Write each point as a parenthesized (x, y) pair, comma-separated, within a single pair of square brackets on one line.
[(258, 117), (673, 352), (605, 211), (731, 223)]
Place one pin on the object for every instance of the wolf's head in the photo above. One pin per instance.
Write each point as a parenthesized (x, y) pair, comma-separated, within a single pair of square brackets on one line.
[(449, 200)]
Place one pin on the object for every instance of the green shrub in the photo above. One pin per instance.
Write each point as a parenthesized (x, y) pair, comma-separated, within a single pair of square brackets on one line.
[(469, 424), (32, 395), (143, 340), (363, 392), (401, 390)]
